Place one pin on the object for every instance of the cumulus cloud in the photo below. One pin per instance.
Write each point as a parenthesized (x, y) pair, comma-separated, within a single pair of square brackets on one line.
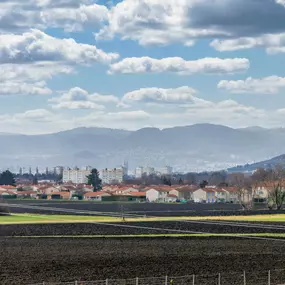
[(36, 46), (179, 65), (184, 21), (18, 15), (273, 43), (22, 88), (78, 98), (37, 115), (266, 85), (179, 95)]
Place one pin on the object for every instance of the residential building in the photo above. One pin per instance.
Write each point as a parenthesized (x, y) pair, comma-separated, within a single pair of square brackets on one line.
[(148, 170), (58, 170), (158, 193), (75, 176), (110, 176), (184, 192), (204, 195), (97, 196), (139, 172), (166, 170)]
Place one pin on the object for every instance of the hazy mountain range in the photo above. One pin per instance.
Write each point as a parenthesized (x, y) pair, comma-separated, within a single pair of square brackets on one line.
[(189, 148), (266, 164)]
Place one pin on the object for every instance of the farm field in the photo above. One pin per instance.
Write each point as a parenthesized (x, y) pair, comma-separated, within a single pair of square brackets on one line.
[(140, 209), (90, 246), (69, 259)]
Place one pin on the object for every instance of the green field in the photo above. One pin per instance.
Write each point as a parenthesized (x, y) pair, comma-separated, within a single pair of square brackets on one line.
[(34, 218)]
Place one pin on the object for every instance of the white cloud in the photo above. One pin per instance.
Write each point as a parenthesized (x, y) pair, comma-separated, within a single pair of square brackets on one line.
[(179, 95), (22, 88), (266, 85), (179, 65), (18, 15), (37, 115), (31, 72), (273, 43), (184, 21), (78, 98), (36, 46), (75, 19)]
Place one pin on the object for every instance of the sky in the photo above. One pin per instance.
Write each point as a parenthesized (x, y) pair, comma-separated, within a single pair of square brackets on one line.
[(132, 64)]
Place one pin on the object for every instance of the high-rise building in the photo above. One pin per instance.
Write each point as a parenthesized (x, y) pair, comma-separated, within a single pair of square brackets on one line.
[(21, 171), (139, 172), (126, 168), (58, 170), (75, 176), (47, 172), (148, 170), (166, 170), (30, 170), (37, 171), (110, 176)]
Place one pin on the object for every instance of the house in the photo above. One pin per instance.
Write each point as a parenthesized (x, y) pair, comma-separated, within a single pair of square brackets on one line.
[(205, 195), (59, 195), (137, 196), (47, 190), (157, 193), (95, 196), (27, 194), (232, 194), (184, 192), (7, 194), (171, 198), (8, 188)]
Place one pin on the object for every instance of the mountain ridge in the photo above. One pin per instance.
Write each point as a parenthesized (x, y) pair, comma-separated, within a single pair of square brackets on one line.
[(187, 148)]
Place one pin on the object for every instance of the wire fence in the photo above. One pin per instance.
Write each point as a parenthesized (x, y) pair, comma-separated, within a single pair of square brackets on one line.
[(271, 277)]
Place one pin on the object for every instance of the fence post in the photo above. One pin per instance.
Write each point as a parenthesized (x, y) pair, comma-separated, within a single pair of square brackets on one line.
[(244, 278), (193, 283), (137, 281), (219, 279), (166, 280), (106, 281), (75, 283), (269, 277)]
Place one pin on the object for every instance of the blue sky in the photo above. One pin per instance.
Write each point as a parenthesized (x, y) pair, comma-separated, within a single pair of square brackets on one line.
[(138, 63)]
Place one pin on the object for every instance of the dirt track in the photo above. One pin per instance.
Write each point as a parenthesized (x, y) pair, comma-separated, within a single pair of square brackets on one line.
[(25, 261)]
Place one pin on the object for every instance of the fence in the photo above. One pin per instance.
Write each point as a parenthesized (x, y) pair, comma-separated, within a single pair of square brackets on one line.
[(271, 277)]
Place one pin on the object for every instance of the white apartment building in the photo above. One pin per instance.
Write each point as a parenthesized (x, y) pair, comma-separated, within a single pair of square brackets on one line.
[(75, 176), (166, 170), (109, 176), (139, 172)]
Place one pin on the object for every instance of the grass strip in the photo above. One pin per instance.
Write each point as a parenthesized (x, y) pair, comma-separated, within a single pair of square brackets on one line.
[(278, 235), (39, 218)]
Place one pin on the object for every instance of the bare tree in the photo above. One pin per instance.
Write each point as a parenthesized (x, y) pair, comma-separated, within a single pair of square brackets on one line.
[(278, 196), (243, 185)]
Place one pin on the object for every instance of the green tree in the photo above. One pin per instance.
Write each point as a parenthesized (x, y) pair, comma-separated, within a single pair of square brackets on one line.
[(7, 178), (94, 180), (203, 184)]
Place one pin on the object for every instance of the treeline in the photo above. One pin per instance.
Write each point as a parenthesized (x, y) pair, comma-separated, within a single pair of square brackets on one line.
[(216, 178)]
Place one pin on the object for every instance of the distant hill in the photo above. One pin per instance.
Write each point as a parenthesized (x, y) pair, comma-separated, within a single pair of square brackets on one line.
[(188, 148), (266, 164)]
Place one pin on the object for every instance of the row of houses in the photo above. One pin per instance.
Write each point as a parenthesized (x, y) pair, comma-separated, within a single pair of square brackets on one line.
[(154, 193)]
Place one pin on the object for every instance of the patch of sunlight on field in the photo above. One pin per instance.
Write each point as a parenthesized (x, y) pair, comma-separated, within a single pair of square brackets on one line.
[(255, 218), (29, 218)]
